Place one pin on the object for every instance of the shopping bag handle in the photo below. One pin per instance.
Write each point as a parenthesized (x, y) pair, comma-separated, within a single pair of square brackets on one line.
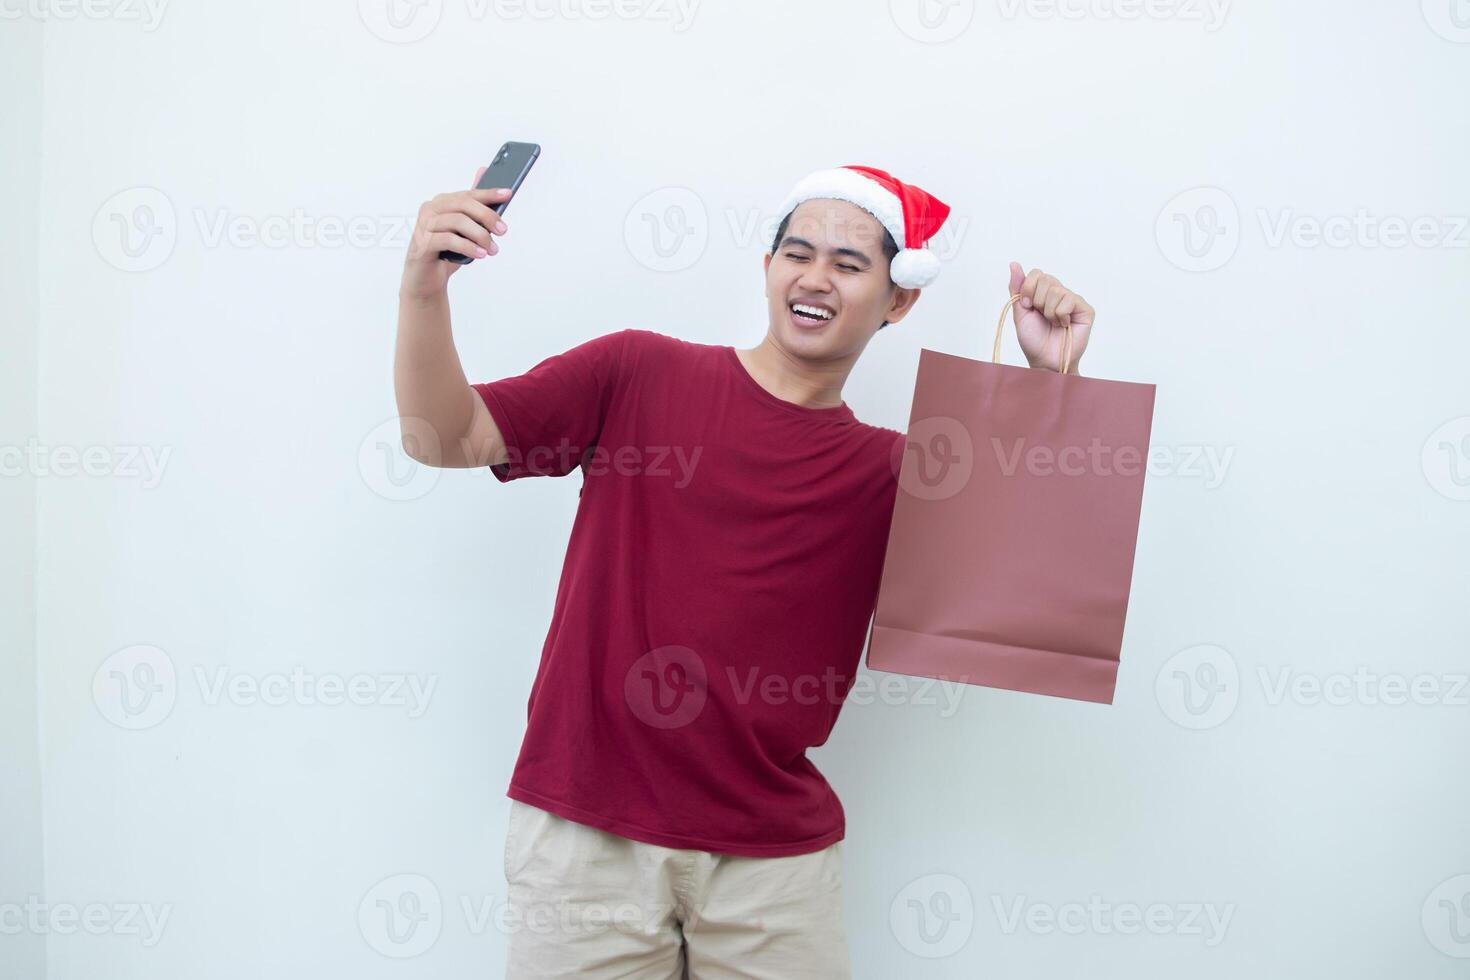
[(1066, 342)]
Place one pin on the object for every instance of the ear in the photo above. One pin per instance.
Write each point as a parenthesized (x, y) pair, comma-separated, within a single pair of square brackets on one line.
[(903, 301)]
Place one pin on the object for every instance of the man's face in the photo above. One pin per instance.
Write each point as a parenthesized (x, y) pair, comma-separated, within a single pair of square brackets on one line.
[(831, 256)]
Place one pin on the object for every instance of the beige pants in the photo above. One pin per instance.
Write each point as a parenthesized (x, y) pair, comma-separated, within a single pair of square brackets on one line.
[(587, 903)]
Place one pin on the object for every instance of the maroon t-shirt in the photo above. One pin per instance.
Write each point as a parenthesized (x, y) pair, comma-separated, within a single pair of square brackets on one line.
[(715, 597)]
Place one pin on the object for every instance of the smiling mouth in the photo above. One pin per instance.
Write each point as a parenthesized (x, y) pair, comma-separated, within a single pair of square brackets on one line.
[(810, 316)]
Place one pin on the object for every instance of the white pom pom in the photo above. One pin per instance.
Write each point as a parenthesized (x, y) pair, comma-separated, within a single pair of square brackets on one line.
[(914, 268)]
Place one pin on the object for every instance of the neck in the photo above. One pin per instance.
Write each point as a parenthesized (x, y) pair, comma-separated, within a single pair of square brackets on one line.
[(811, 384)]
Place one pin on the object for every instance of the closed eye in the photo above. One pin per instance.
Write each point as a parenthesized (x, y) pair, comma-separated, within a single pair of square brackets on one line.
[(848, 266)]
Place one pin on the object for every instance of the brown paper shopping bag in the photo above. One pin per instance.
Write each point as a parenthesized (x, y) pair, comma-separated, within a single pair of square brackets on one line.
[(1010, 554)]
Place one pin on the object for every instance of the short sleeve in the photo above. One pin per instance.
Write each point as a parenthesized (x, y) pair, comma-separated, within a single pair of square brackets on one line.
[(554, 413)]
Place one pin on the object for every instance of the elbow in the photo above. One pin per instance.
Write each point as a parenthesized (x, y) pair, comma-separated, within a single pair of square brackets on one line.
[(420, 445), (410, 447)]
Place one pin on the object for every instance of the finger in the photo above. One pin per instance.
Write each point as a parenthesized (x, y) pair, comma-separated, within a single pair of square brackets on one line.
[(1028, 288), (481, 213), (486, 196), (462, 225), (490, 195), (478, 174), (1016, 277), (1064, 318), (440, 241), (1044, 287), (1054, 298), (460, 199)]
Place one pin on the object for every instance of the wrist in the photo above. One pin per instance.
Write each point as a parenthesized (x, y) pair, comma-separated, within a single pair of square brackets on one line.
[(422, 297), (1053, 368)]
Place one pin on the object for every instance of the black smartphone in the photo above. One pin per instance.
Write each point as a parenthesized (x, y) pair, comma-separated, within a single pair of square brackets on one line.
[(508, 169)]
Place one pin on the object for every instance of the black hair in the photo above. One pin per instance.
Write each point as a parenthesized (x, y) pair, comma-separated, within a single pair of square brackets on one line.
[(890, 247)]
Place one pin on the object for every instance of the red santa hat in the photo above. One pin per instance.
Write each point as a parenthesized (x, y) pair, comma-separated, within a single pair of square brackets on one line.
[(910, 214)]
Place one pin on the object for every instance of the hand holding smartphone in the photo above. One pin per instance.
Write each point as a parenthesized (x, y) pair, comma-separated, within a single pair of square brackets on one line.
[(508, 169)]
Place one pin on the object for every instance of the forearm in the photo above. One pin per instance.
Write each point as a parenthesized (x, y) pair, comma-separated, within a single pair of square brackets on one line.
[(428, 380)]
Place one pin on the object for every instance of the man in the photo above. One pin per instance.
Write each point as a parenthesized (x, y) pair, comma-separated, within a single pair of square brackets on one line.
[(717, 587)]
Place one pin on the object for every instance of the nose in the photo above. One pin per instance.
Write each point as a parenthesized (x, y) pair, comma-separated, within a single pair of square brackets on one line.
[(814, 277)]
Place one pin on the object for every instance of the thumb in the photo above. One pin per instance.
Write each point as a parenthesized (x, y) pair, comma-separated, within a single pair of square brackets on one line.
[(478, 174), (1017, 278)]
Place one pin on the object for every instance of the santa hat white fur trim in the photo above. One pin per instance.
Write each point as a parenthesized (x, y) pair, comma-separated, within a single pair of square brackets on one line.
[(911, 268)]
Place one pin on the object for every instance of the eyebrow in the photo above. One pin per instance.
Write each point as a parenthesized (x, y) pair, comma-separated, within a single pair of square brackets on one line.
[(793, 240)]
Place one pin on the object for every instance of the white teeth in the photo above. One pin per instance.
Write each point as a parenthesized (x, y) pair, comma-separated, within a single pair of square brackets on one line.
[(817, 312)]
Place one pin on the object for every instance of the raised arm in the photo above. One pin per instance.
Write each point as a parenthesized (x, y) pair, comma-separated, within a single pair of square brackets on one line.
[(442, 420)]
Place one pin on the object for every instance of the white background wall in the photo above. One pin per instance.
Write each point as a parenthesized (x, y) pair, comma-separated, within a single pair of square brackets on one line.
[(21, 872), (1148, 160)]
